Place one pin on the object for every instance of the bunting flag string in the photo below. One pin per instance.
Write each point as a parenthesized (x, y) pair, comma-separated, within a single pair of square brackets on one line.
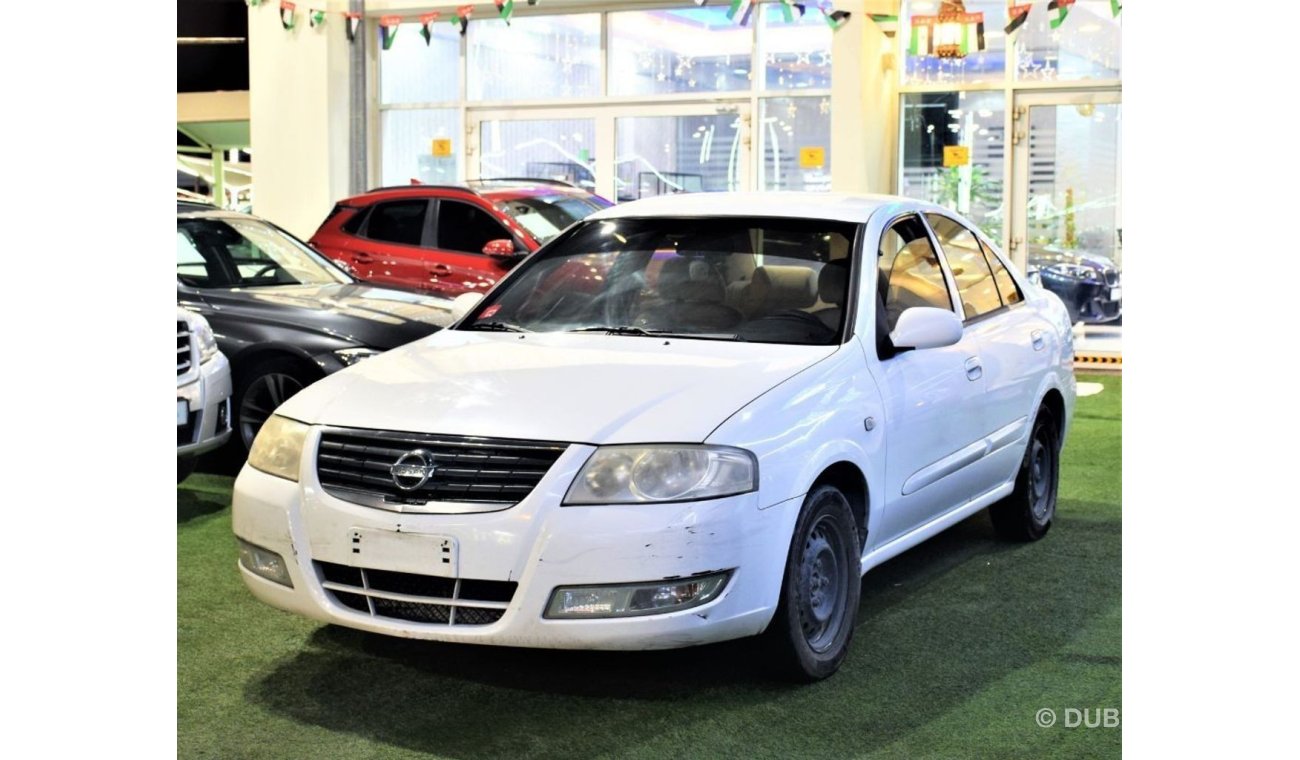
[(505, 9), (1115, 8), (388, 26), (835, 19), (315, 18), (788, 8), (354, 24), (426, 26), (734, 10), (1017, 15), (888, 23), (1062, 8), (288, 11), (462, 17)]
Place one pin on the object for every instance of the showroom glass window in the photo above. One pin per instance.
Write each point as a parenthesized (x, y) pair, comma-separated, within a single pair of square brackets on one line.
[(932, 121), (534, 58), (794, 129), (1085, 46), (678, 50), (419, 95)]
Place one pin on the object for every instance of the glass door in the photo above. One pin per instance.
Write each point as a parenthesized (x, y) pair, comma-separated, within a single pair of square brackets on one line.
[(540, 145), (1066, 224)]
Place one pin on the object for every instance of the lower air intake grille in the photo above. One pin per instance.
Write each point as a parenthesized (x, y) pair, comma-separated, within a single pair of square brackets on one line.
[(358, 466), (417, 598)]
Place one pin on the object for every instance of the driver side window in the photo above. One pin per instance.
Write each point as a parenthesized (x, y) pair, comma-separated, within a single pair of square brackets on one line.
[(910, 274)]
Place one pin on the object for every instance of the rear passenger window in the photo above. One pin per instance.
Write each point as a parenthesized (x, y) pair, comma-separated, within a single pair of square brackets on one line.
[(398, 222), (1006, 285), (975, 284), (353, 225), (910, 274), (466, 228)]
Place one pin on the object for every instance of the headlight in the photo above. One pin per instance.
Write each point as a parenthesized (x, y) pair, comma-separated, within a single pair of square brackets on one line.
[(1074, 271), (646, 474), (205, 340), (350, 356), (277, 449)]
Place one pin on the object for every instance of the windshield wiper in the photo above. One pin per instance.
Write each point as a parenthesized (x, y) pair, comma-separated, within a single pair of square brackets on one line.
[(495, 327), (619, 330)]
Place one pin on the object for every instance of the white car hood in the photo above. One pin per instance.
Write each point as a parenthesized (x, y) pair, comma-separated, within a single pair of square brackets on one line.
[(574, 388)]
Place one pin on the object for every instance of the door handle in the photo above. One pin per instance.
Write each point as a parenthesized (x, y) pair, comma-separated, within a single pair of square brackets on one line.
[(974, 370), (440, 269), (363, 258), (1037, 338)]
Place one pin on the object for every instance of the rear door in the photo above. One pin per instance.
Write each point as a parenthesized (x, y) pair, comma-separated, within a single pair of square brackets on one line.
[(457, 263), (1012, 348), (388, 250)]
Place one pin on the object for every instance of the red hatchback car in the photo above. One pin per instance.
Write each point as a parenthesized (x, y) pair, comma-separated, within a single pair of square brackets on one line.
[(449, 239)]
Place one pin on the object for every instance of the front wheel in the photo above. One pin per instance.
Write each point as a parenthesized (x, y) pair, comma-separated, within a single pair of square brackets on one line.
[(814, 620), (1027, 513)]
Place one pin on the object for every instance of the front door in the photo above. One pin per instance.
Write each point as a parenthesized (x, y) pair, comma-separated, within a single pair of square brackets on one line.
[(390, 252), (1066, 222), (933, 397), (458, 264)]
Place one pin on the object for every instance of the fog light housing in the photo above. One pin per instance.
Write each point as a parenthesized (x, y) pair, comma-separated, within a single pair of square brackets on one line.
[(263, 563), (635, 599)]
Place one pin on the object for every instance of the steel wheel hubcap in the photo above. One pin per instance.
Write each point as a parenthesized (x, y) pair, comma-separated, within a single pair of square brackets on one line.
[(1040, 477), (822, 586), (261, 399)]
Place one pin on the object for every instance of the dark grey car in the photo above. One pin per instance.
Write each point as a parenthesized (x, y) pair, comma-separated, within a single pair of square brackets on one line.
[(284, 315)]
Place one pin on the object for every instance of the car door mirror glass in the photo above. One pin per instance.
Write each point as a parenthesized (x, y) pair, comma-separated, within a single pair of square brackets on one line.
[(502, 248), (461, 305), (926, 327)]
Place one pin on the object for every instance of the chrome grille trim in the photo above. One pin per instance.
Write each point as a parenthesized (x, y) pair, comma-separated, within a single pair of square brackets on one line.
[(355, 464)]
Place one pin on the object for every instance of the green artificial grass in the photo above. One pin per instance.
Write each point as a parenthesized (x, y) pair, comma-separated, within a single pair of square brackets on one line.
[(959, 643)]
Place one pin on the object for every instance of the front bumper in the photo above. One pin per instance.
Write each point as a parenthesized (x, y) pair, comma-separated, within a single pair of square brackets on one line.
[(537, 544), (207, 402)]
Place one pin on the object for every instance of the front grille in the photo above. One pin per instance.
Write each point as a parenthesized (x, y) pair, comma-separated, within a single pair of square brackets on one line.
[(356, 465), (417, 598), (184, 358)]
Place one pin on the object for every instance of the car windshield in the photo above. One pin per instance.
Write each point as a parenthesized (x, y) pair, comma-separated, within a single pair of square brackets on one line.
[(753, 279), (232, 252), (546, 216)]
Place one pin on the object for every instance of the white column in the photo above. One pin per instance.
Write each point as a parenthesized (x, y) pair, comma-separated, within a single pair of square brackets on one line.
[(298, 110), (864, 104)]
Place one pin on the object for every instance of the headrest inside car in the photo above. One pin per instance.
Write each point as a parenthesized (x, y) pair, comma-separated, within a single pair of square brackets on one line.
[(775, 288), (833, 282)]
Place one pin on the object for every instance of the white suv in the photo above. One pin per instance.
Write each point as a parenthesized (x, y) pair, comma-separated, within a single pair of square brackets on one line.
[(202, 392), (687, 419)]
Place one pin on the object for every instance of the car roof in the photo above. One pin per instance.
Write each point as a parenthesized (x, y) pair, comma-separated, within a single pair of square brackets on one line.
[(212, 213), (847, 207), (507, 187)]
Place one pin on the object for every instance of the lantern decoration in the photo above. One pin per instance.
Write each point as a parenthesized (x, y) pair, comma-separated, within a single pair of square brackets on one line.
[(951, 34)]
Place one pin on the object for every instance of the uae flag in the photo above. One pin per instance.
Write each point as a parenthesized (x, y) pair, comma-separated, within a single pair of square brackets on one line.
[(426, 26), (388, 26), (353, 24), (287, 12), (1017, 15)]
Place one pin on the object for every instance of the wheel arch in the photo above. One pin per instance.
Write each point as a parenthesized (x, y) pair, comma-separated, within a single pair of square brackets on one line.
[(852, 482)]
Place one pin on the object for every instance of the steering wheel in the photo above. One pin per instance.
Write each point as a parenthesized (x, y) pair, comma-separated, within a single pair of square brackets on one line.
[(266, 268)]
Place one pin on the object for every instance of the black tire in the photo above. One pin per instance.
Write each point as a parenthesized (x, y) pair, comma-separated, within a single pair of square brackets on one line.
[(1026, 515), (813, 625), (260, 390), (185, 468)]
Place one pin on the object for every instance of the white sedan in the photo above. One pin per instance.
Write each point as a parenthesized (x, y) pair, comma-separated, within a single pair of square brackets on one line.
[(687, 419)]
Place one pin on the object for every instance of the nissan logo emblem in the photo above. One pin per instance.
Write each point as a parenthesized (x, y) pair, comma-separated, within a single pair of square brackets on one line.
[(413, 469)]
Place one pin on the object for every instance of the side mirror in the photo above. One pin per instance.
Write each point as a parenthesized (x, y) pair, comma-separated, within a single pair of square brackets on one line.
[(461, 304), (926, 327), (500, 249)]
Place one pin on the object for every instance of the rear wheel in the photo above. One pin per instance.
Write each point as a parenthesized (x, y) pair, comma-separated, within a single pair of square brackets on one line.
[(263, 388), (814, 620), (1026, 515)]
